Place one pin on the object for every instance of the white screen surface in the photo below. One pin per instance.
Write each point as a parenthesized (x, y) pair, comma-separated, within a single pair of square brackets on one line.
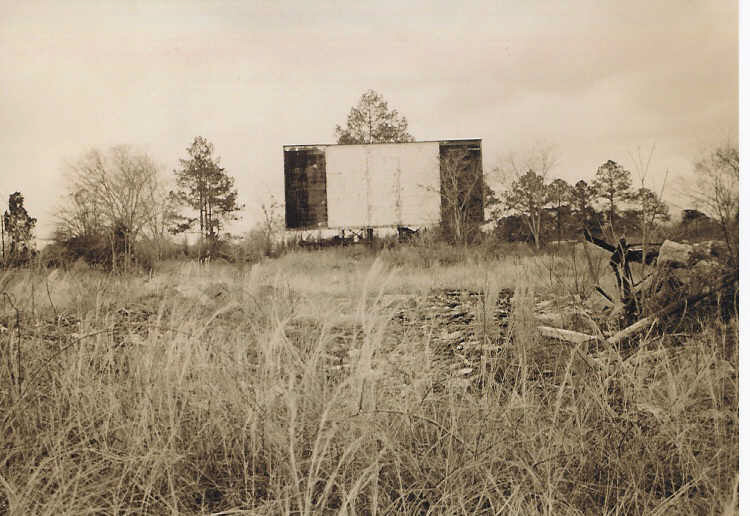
[(383, 184)]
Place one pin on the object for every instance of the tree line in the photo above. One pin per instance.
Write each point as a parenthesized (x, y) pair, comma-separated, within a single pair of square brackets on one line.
[(117, 210), (536, 207)]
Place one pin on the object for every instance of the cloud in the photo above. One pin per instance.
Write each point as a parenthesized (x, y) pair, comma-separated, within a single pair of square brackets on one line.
[(595, 79)]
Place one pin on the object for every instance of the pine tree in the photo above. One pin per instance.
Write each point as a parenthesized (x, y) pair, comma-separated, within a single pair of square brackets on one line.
[(205, 187), (582, 195), (558, 194), (612, 183), (370, 121), (527, 196)]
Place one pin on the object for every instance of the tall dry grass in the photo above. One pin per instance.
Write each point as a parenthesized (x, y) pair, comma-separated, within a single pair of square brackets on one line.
[(286, 388)]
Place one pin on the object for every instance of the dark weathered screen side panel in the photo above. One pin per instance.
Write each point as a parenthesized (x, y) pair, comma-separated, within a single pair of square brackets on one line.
[(461, 184), (305, 188)]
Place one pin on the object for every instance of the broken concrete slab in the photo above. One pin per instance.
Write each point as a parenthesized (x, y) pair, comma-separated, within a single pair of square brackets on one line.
[(674, 254)]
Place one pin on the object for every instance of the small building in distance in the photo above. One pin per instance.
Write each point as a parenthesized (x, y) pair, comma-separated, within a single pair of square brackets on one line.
[(379, 185)]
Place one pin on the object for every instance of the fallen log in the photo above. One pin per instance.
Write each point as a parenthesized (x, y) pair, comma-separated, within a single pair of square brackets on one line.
[(632, 330), (571, 336), (671, 308), (638, 326)]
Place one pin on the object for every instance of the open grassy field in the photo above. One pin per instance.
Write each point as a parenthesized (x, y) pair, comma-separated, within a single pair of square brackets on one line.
[(318, 383)]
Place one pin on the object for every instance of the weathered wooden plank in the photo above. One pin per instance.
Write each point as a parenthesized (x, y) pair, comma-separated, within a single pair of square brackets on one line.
[(571, 336), (632, 330)]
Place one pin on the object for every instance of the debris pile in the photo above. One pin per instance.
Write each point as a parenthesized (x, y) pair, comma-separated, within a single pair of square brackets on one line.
[(683, 276), (452, 315)]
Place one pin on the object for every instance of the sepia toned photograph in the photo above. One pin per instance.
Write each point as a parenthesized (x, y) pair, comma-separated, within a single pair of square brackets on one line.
[(343, 258)]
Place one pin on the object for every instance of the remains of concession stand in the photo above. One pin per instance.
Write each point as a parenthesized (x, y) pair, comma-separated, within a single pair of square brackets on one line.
[(414, 184)]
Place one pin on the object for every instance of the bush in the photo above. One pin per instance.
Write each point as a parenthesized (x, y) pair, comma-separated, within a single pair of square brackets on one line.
[(97, 251), (252, 248), (93, 249)]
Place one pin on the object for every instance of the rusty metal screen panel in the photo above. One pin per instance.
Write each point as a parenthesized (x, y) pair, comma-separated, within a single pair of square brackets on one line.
[(383, 185), (305, 187)]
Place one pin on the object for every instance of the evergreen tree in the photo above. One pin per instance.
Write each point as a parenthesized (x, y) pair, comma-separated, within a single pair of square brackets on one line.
[(558, 194), (582, 196), (612, 184), (205, 187), (370, 121), (18, 228), (527, 196)]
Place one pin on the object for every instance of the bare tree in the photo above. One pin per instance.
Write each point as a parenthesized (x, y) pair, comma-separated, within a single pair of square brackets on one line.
[(110, 192), (273, 222), (649, 206), (79, 215), (462, 191), (716, 191), (164, 212)]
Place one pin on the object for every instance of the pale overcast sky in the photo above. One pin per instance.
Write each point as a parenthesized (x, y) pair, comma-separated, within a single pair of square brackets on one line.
[(596, 79)]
